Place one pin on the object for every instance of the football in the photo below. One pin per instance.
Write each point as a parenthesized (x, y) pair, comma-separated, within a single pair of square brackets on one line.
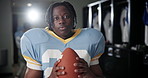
[(68, 59)]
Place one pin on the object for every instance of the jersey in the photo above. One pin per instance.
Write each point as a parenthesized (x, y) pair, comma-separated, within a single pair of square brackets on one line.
[(41, 48)]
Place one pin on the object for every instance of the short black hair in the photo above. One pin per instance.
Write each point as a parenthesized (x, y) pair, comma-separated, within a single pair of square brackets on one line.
[(49, 14)]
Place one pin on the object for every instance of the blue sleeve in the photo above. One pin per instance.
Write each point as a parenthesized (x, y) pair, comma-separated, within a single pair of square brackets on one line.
[(29, 54), (97, 47)]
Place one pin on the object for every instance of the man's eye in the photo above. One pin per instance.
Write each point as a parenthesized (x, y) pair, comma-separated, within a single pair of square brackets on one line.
[(56, 18), (66, 16)]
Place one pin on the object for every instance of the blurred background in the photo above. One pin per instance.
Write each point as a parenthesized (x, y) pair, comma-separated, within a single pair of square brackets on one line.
[(124, 24)]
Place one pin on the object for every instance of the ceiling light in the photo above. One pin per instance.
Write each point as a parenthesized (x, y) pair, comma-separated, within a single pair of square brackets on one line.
[(29, 4), (33, 15)]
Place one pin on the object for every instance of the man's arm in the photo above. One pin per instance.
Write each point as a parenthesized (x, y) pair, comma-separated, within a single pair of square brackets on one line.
[(96, 70), (30, 73)]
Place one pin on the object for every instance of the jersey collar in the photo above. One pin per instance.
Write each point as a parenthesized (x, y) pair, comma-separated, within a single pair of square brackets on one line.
[(77, 32)]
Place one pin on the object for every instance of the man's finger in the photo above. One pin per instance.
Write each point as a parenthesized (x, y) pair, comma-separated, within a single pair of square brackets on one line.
[(57, 62), (60, 68), (61, 73)]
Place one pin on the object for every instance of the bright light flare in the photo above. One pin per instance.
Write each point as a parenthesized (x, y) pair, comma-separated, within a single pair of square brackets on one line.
[(29, 4), (33, 15)]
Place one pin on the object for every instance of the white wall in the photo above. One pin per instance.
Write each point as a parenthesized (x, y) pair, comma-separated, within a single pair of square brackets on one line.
[(6, 36)]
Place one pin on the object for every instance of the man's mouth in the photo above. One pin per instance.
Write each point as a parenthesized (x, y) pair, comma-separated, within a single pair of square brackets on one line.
[(62, 28)]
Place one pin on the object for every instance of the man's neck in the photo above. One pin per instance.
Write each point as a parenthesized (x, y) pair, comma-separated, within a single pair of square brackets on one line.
[(66, 36)]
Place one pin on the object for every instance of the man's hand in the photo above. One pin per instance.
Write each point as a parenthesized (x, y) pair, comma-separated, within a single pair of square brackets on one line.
[(55, 71), (87, 72)]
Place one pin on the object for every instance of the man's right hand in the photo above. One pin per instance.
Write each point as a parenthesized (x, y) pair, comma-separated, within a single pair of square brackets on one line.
[(55, 71)]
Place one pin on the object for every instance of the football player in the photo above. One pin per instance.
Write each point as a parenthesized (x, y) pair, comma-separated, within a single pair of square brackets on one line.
[(42, 48)]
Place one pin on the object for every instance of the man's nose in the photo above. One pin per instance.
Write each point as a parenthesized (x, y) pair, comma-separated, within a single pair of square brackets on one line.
[(61, 20)]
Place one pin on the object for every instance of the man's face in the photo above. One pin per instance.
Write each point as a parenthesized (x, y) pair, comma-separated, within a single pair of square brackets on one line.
[(63, 21)]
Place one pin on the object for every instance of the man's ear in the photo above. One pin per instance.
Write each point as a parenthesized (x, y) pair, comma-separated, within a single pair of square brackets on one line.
[(74, 24)]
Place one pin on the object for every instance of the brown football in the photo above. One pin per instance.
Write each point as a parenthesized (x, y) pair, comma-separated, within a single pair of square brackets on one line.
[(67, 60)]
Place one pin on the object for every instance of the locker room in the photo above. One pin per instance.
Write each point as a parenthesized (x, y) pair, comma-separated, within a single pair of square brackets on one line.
[(124, 24)]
